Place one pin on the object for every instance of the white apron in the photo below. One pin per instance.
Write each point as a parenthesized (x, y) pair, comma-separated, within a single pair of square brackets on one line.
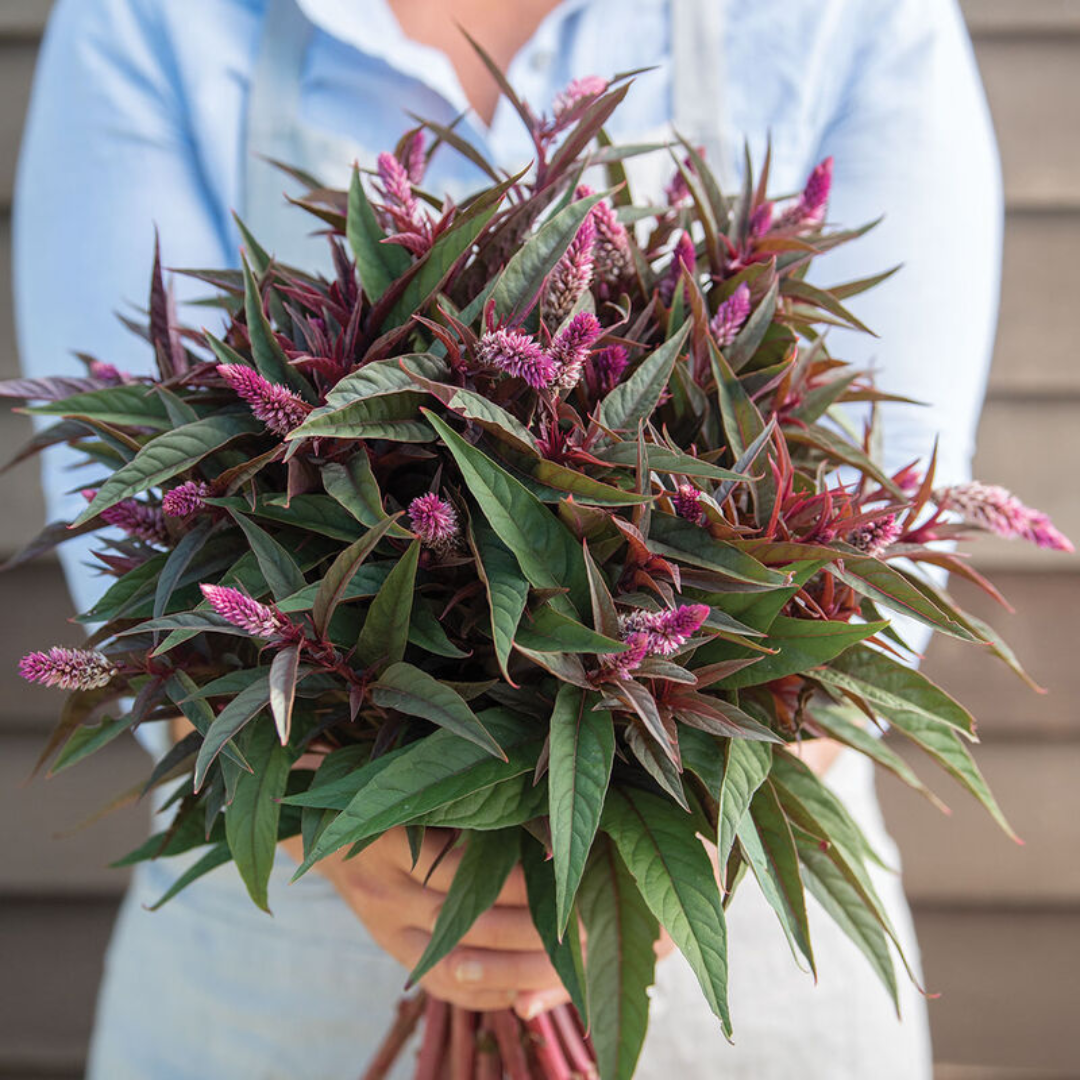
[(210, 988)]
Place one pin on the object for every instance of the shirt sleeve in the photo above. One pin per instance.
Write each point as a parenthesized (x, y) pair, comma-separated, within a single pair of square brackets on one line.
[(913, 141), (106, 156)]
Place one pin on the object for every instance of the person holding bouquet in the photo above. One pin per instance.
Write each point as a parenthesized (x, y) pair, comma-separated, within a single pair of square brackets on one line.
[(147, 113)]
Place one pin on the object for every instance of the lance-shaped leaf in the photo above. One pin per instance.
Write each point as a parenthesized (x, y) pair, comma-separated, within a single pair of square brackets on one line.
[(177, 562), (393, 416), (270, 359), (312, 513), (215, 856), (489, 857), (279, 569), (582, 749), (334, 586), (181, 690), (519, 285), (354, 486), (508, 802), (284, 672), (767, 842), (545, 549), (165, 456), (416, 693), (378, 264), (551, 482), (636, 398), (667, 860), (564, 951), (545, 630), (385, 632), (620, 966), (841, 900), (746, 764), (836, 448), (251, 820), (230, 721), (120, 406), (428, 774), (507, 591), (687, 542), (665, 460)]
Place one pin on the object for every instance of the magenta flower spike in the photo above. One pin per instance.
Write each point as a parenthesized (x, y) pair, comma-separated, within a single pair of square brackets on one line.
[(687, 503), (415, 161), (242, 611), (809, 209), (623, 664), (589, 86), (396, 185), (667, 631), (994, 508), (434, 521), (683, 258), (610, 364), (517, 354), (612, 261), (572, 275), (185, 499), (874, 537), (276, 406), (69, 669), (730, 316), (570, 349), (761, 220), (106, 373), (139, 521)]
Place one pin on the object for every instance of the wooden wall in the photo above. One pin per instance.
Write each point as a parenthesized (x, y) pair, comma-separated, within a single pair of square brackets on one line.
[(999, 924)]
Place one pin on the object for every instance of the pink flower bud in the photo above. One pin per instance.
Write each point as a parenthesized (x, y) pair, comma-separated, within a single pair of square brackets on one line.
[(185, 499), (570, 349), (517, 354), (139, 521), (239, 609), (415, 161), (875, 536), (809, 210), (612, 261), (610, 365), (683, 258), (106, 373), (590, 86), (434, 521), (687, 503), (730, 316), (69, 669), (990, 507), (667, 631), (572, 275), (622, 665), (761, 220), (276, 406), (395, 185)]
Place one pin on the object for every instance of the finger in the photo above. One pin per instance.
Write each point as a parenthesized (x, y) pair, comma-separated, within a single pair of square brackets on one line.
[(465, 998), (507, 929), (512, 894), (531, 1003), (486, 969), (399, 852)]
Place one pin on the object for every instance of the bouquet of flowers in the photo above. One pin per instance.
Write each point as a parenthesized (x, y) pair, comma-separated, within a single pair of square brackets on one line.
[(527, 525)]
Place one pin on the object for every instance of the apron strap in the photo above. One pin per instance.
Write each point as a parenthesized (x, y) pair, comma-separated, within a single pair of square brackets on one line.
[(698, 78)]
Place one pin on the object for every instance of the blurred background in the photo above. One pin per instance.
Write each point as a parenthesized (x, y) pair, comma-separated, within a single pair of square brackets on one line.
[(999, 924)]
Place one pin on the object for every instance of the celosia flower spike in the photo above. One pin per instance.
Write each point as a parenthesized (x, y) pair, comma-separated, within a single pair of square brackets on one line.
[(874, 537), (185, 499), (761, 220), (434, 521), (276, 406), (69, 669), (809, 210), (610, 365), (730, 316), (139, 521), (990, 507), (242, 611), (667, 631), (687, 503), (415, 161), (612, 261), (106, 373), (683, 258), (570, 349), (623, 665), (517, 354), (589, 86), (572, 275), (396, 186)]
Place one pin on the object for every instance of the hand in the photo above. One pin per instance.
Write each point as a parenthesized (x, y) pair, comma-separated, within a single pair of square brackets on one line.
[(499, 963)]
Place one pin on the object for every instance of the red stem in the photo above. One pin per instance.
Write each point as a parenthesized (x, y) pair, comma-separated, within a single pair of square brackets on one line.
[(581, 1061), (548, 1051), (488, 1063), (462, 1043), (432, 1052), (508, 1036), (409, 1011)]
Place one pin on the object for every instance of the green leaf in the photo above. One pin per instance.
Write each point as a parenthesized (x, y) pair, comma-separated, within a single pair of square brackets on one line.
[(507, 590), (703, 755), (181, 690), (520, 283), (582, 750), (636, 398), (545, 549), (366, 582), (84, 741), (841, 900), (416, 693), (746, 765), (270, 359), (836, 448), (667, 860), (177, 563), (430, 773), (354, 486), (489, 857), (426, 632), (216, 856), (664, 460), (284, 672), (563, 951), (493, 418), (312, 513), (552, 482), (384, 416), (767, 842), (334, 585), (687, 542), (545, 630), (509, 802), (753, 331), (247, 704), (120, 406), (743, 423), (251, 819), (278, 567), (620, 966), (379, 264), (165, 456), (385, 632)]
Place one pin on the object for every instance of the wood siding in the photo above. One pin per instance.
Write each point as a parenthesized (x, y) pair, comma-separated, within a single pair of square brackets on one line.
[(999, 924)]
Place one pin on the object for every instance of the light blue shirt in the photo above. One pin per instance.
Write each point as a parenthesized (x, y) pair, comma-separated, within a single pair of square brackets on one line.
[(138, 119)]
